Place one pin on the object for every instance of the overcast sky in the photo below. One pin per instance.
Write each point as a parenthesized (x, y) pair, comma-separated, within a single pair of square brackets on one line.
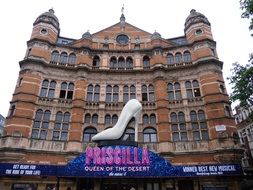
[(167, 17)]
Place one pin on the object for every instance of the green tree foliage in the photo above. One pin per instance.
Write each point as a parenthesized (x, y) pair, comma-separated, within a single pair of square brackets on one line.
[(247, 7), (242, 83)]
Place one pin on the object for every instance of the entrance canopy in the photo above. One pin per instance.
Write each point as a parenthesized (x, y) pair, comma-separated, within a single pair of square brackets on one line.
[(120, 161)]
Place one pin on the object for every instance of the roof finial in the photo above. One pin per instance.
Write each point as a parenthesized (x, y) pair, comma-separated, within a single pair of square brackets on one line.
[(122, 9)]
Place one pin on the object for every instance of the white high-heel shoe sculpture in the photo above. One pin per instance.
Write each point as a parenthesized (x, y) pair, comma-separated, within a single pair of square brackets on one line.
[(131, 109)]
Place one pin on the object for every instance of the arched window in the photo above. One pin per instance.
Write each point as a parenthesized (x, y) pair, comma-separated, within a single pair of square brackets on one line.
[(146, 62), (107, 119), (121, 63), (129, 135), (199, 125), (148, 93), (129, 63), (227, 111), (72, 58), (113, 63), (192, 89), (87, 118), (187, 56), (88, 133), (93, 93), (114, 119), (178, 57), (108, 97), (145, 119), (129, 93), (67, 90), (152, 119), (64, 58), (41, 124), (170, 59), (178, 127), (48, 89), (149, 135), (174, 91), (94, 119), (61, 126), (55, 57), (96, 61)]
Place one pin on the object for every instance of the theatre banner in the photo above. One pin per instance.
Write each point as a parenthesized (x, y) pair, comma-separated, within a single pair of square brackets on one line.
[(120, 161)]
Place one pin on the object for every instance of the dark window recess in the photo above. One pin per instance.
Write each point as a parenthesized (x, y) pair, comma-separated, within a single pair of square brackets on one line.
[(62, 94), (197, 92), (144, 97), (70, 95)]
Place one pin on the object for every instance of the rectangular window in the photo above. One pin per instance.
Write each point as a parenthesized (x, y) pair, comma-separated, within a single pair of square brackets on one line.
[(62, 94), (144, 97), (175, 136), (197, 92), (196, 135), (178, 95), (171, 95), (70, 95), (108, 97), (51, 93), (189, 93), (96, 97), (89, 96)]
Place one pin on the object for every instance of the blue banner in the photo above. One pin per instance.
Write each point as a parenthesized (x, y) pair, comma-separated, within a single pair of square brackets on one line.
[(120, 161)]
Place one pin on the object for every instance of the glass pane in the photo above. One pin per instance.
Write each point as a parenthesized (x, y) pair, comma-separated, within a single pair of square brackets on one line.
[(174, 127), (184, 136), (132, 88), (51, 93), (153, 137), (108, 88), (193, 116), (201, 115), (189, 93), (144, 88), (144, 97), (108, 97), (56, 135), (195, 126), (58, 117), (45, 83), (87, 118), (114, 119), (95, 119), (45, 125), (36, 124), (170, 87), (152, 119), (195, 83), (107, 119), (66, 117), (145, 119), (35, 133), (46, 116), (197, 92), (38, 115), (63, 86), (115, 97), (203, 125), (89, 96), (182, 127), (86, 137), (65, 126), (97, 88), (71, 86), (96, 97), (132, 96), (64, 136), (43, 134), (177, 86), (90, 88), (175, 136), (205, 135), (196, 135), (57, 126), (188, 84), (171, 95), (146, 137), (151, 96), (181, 117), (178, 95), (173, 117), (52, 84), (125, 89), (43, 92)]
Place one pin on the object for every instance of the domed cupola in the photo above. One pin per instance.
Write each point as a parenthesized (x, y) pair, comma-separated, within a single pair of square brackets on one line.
[(48, 17), (87, 35), (194, 18), (156, 36)]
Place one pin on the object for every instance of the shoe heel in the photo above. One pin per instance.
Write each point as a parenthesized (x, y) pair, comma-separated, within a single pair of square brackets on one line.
[(137, 119)]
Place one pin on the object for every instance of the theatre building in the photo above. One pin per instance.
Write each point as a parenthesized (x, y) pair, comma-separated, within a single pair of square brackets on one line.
[(68, 90)]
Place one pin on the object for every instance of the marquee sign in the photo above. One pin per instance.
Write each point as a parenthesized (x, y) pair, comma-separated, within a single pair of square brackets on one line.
[(120, 161)]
